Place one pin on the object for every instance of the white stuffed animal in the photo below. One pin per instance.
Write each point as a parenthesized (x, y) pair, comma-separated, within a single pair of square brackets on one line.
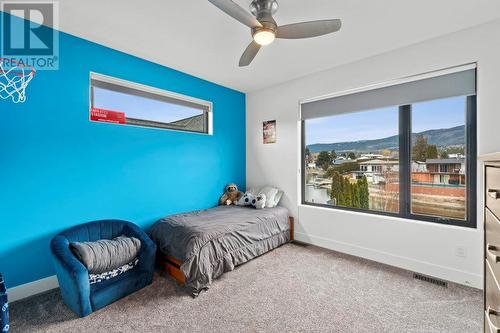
[(245, 200), (248, 199), (259, 201)]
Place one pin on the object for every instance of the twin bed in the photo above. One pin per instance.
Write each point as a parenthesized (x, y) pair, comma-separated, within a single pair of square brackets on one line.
[(197, 247)]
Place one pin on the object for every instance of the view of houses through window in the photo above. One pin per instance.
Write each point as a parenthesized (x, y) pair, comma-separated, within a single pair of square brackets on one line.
[(438, 158), (353, 159)]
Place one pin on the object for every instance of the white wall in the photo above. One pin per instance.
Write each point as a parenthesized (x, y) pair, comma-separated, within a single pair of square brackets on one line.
[(419, 246)]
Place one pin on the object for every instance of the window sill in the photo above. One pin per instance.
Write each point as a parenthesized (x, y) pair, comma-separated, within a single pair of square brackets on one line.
[(461, 225)]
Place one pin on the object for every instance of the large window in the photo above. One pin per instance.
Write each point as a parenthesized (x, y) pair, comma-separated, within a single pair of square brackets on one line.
[(405, 150), (122, 102)]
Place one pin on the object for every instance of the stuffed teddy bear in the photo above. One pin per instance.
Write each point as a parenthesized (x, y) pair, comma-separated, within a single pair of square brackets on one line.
[(248, 199), (231, 195)]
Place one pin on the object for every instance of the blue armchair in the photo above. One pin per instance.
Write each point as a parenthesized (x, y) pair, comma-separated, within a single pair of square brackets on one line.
[(81, 296)]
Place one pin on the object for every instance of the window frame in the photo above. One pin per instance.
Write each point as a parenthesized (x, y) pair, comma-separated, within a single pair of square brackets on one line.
[(405, 123), (141, 90)]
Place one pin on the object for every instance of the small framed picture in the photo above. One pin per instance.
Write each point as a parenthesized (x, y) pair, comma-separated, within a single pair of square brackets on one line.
[(269, 131)]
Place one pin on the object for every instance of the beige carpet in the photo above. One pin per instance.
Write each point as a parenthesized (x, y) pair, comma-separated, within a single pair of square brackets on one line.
[(294, 288)]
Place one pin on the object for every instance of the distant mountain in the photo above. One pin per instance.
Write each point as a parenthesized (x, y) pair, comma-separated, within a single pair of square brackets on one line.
[(454, 136)]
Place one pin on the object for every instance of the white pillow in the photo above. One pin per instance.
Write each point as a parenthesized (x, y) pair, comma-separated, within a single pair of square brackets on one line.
[(277, 198), (270, 193), (253, 191)]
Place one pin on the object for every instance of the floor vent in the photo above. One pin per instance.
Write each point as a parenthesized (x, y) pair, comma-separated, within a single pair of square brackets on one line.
[(429, 279)]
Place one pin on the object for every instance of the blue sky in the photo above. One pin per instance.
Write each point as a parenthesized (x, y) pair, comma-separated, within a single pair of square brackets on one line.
[(140, 107), (381, 123)]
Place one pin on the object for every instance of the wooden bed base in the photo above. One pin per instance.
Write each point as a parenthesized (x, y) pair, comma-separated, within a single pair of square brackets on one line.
[(172, 265)]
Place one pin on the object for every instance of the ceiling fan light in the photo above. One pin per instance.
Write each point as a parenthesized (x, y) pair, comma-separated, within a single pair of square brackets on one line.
[(264, 37)]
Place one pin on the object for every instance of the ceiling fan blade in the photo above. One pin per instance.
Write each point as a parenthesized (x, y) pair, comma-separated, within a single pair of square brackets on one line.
[(249, 54), (308, 29), (235, 11)]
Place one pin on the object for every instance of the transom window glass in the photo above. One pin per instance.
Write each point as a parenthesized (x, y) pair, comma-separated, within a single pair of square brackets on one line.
[(123, 102), (414, 159)]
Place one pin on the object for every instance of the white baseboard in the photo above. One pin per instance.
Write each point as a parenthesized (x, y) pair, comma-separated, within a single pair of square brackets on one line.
[(442, 272), (32, 288)]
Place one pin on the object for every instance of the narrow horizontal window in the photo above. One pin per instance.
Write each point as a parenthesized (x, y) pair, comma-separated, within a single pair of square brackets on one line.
[(405, 150), (122, 102)]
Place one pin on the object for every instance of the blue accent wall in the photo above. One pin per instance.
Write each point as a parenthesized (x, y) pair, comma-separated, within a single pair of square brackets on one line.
[(58, 169)]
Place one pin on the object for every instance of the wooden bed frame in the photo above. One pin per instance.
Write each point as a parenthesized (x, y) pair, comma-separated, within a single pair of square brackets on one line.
[(172, 265)]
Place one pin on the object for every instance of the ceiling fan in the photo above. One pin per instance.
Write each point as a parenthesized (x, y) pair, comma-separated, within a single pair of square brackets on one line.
[(264, 28)]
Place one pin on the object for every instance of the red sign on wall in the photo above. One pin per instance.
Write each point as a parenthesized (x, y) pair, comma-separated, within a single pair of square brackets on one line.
[(107, 116)]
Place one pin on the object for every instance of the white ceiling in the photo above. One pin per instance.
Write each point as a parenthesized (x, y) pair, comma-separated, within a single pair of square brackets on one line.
[(195, 37)]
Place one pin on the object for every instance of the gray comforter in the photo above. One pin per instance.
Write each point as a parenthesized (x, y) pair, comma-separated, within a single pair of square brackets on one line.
[(213, 241)]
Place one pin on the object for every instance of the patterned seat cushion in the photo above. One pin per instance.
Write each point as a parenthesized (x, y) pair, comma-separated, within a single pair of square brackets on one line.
[(96, 278)]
